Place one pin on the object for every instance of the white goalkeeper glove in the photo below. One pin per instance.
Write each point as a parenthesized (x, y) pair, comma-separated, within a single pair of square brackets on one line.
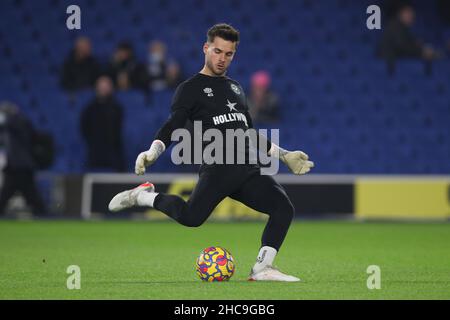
[(148, 157), (296, 161)]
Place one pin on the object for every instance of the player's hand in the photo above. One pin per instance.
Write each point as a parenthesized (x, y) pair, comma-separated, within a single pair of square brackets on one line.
[(148, 157), (297, 161), (143, 160)]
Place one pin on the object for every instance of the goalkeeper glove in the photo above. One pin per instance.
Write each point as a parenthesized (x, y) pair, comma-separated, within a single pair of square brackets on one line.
[(296, 161), (148, 157)]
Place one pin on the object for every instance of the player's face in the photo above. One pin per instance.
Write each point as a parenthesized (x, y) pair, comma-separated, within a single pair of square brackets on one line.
[(218, 55)]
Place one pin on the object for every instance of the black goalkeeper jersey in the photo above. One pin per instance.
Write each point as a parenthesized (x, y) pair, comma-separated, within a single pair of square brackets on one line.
[(218, 102)]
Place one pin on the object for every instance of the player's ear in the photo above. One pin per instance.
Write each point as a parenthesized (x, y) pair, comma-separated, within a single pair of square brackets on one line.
[(205, 47)]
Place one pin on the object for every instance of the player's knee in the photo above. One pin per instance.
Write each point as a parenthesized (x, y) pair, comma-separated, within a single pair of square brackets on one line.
[(192, 223)]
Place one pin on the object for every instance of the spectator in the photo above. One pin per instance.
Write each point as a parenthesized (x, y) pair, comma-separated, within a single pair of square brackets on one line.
[(125, 71), (16, 139), (390, 8), (163, 73), (398, 42), (101, 127), (444, 10), (263, 102), (80, 69)]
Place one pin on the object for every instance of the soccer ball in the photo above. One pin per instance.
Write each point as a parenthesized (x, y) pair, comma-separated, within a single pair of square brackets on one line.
[(215, 264)]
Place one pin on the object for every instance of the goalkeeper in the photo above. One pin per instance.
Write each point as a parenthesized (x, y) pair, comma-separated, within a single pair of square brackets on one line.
[(219, 102)]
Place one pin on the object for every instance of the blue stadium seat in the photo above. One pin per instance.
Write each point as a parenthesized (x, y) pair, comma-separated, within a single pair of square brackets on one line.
[(336, 96)]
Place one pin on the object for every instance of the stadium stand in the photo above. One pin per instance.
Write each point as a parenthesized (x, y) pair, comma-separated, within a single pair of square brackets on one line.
[(337, 101)]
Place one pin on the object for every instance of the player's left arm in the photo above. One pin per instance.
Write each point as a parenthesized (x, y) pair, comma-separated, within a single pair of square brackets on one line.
[(297, 161)]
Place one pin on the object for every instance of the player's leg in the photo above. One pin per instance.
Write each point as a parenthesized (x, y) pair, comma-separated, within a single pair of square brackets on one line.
[(27, 185), (207, 194), (7, 191), (264, 194), (213, 186)]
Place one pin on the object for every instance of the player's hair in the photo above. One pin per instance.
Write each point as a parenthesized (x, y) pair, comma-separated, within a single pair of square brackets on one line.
[(224, 31)]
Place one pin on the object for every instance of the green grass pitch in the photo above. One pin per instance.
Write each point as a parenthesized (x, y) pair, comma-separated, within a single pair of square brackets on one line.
[(155, 260)]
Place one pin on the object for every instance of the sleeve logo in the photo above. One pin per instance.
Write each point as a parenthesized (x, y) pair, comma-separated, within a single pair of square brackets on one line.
[(208, 92)]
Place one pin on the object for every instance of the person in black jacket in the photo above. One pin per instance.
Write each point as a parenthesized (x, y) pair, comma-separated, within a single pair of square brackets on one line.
[(125, 71), (101, 127), (398, 41), (80, 69), (163, 72), (16, 138)]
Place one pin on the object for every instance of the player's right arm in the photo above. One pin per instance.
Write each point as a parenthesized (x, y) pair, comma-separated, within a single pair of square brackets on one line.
[(182, 103)]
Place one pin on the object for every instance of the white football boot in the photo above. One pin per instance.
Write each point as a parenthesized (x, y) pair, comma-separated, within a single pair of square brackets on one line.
[(128, 198), (270, 273)]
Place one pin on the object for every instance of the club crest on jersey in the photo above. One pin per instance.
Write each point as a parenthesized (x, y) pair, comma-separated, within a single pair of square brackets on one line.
[(209, 92), (235, 88)]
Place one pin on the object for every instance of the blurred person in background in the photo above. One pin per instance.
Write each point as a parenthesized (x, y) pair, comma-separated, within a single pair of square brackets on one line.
[(101, 128), (263, 102), (125, 71), (163, 73), (444, 10), (398, 41), (19, 166), (81, 69)]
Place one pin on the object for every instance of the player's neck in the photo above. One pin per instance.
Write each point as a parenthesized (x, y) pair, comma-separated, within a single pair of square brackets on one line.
[(207, 72)]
